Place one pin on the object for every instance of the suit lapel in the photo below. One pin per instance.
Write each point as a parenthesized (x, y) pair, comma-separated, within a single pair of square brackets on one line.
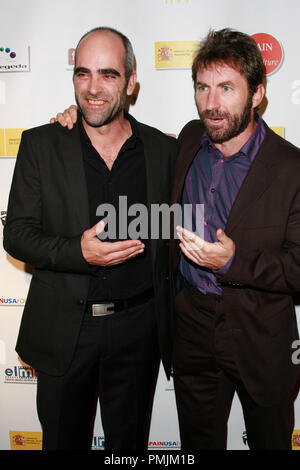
[(75, 176), (260, 176), (152, 153)]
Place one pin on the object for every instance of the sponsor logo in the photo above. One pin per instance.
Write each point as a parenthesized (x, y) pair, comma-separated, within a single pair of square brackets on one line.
[(25, 440), (175, 54), (71, 59), (20, 375), (278, 130), (12, 302), (3, 217), (98, 443), (7, 50), (163, 444), (296, 92), (271, 51), (164, 53), (296, 439), (71, 56), (178, 2), (10, 141), (16, 59)]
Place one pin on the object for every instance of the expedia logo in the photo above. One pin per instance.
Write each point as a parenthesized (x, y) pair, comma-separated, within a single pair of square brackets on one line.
[(271, 51), (16, 59), (11, 302), (8, 51)]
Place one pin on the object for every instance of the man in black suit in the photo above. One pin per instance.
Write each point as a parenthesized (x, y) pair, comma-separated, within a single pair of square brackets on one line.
[(96, 316), (235, 321)]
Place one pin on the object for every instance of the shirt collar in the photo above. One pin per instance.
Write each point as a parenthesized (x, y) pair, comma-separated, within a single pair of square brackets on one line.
[(249, 149), (86, 140)]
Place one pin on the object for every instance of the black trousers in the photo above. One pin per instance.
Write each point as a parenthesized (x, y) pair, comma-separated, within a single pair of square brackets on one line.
[(117, 360), (206, 377)]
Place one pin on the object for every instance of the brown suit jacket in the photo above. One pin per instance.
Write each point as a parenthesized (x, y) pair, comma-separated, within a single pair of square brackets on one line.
[(258, 288)]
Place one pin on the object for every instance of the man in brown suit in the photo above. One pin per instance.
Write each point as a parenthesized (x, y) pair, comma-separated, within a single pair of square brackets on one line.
[(234, 314)]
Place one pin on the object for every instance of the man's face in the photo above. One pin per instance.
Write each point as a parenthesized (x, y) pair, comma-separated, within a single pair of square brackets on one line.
[(223, 101), (99, 78)]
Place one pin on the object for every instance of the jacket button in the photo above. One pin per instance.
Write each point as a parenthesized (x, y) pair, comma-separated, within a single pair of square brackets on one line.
[(81, 301)]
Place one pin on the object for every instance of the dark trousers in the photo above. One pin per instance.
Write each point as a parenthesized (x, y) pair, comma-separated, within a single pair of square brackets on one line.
[(206, 377), (117, 359)]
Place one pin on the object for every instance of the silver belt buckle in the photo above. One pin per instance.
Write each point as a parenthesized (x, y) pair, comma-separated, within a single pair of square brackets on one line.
[(100, 310)]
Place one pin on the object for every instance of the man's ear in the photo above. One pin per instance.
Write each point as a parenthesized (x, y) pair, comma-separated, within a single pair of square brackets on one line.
[(131, 83), (258, 96)]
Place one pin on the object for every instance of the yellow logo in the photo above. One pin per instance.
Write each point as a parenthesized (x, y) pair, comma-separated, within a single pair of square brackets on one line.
[(296, 439), (25, 440), (9, 142), (175, 54), (177, 1), (278, 130)]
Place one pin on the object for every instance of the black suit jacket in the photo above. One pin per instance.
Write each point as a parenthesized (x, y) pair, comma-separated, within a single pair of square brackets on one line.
[(264, 223), (47, 214)]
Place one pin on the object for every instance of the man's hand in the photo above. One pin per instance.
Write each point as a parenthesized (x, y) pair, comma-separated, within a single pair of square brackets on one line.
[(101, 253), (209, 255), (67, 118)]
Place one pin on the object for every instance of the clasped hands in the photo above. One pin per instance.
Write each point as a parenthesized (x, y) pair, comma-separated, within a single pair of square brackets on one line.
[(206, 254)]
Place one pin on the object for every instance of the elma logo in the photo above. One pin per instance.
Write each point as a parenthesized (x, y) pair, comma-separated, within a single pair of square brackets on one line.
[(271, 51), (20, 374)]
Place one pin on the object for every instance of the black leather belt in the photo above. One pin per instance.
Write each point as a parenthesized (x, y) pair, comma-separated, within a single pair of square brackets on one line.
[(103, 308)]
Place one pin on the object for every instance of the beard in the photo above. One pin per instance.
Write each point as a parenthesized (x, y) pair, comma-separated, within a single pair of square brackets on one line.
[(236, 123), (98, 118)]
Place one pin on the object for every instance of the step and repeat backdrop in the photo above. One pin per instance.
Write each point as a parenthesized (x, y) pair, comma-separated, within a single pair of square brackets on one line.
[(37, 44)]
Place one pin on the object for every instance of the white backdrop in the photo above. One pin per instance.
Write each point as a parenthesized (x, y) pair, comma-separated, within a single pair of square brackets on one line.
[(37, 83)]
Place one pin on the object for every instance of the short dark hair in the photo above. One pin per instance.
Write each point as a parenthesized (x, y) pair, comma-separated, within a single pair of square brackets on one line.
[(233, 48), (129, 54)]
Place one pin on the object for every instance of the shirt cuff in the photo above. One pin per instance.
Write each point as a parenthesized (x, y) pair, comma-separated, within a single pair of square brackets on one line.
[(223, 270)]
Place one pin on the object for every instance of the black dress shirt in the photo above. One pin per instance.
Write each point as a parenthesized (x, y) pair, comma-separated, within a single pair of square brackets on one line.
[(127, 177)]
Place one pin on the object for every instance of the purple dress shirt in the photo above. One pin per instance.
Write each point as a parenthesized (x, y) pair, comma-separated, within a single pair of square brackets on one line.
[(214, 181)]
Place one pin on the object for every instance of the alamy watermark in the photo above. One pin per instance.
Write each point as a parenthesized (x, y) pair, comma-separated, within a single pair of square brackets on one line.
[(137, 221), (296, 354)]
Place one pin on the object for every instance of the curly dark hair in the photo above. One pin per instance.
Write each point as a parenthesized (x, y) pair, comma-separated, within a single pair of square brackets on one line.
[(239, 50)]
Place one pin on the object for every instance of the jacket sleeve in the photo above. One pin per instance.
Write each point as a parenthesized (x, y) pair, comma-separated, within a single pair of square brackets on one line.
[(24, 237)]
